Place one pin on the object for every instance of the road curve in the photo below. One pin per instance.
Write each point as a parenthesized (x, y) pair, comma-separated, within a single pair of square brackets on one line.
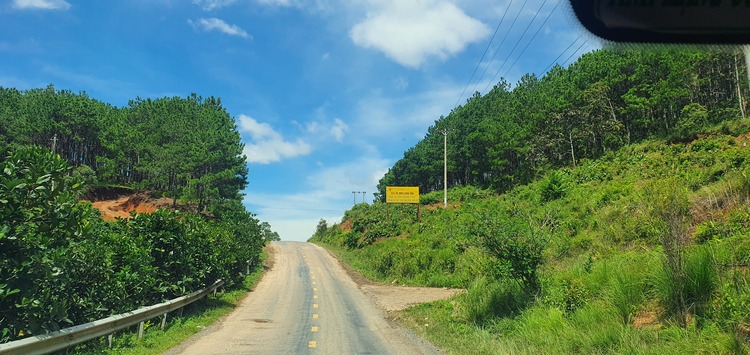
[(305, 304)]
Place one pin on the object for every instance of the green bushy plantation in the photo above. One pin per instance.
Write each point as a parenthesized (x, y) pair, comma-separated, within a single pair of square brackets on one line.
[(62, 265)]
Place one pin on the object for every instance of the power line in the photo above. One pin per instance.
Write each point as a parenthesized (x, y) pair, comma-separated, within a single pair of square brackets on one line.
[(483, 54), (579, 48), (558, 57), (516, 45), (501, 44), (532, 39)]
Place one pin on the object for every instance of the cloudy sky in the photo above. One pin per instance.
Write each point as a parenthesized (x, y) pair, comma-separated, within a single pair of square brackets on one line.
[(327, 94)]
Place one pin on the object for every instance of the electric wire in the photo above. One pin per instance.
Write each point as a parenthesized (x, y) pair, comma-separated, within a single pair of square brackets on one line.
[(501, 44), (483, 54), (559, 56), (532, 40), (574, 53), (515, 46)]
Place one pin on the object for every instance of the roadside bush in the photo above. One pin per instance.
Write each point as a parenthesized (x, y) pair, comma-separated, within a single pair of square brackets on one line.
[(61, 264), (485, 300), (39, 219), (514, 243)]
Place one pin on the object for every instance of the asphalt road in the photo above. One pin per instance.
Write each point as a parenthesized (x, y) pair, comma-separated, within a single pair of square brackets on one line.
[(305, 304)]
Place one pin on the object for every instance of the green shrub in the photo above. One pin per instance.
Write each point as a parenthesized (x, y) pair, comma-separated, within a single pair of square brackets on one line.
[(60, 264), (688, 288), (516, 244), (350, 239), (567, 293), (485, 300), (553, 186)]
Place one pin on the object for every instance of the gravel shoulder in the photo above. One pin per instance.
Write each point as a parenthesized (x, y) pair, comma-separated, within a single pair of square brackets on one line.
[(394, 298)]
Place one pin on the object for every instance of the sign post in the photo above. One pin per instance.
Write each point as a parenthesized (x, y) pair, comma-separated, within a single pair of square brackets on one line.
[(402, 195)]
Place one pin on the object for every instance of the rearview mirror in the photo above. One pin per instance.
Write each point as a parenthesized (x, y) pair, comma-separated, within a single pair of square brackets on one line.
[(666, 21)]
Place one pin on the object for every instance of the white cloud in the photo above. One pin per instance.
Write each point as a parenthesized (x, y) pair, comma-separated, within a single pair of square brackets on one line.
[(213, 23), (267, 145), (208, 5), (312, 127), (403, 116), (326, 194), (410, 32), (338, 129), (41, 4)]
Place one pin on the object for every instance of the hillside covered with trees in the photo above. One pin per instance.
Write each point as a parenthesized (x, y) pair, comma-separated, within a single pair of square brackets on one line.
[(602, 208), (604, 101), (61, 264), (188, 148)]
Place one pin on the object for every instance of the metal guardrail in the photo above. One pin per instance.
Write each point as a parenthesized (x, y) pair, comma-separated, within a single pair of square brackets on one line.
[(64, 338)]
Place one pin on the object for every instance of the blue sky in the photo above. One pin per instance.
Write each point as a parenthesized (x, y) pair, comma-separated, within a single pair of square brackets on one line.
[(327, 94)]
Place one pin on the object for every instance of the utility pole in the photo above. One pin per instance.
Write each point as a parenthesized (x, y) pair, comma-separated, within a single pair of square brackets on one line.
[(363, 196), (54, 142), (445, 167), (354, 197)]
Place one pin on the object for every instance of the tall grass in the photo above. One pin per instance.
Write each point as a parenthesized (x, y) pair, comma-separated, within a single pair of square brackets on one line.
[(687, 292), (626, 295), (486, 300)]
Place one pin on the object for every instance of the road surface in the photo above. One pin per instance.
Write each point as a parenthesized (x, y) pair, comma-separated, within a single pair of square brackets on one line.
[(306, 304)]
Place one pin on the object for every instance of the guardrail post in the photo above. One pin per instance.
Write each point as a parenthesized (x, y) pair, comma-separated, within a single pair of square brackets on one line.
[(163, 320), (141, 328), (110, 337)]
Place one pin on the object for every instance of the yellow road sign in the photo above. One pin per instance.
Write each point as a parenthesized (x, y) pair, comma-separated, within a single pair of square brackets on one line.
[(402, 194)]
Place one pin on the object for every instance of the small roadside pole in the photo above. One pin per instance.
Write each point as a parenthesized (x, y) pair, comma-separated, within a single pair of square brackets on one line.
[(402, 195)]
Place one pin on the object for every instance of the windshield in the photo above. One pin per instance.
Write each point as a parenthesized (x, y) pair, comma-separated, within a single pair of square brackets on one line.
[(471, 176)]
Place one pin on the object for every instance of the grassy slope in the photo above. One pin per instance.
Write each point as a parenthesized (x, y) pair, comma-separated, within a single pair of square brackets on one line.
[(604, 287)]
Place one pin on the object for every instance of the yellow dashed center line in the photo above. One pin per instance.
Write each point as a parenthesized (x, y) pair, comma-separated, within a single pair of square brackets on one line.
[(315, 289), (315, 297), (315, 305), (312, 344), (315, 316), (314, 329)]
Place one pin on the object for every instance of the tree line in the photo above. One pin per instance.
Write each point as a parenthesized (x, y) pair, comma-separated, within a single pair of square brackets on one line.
[(605, 100), (187, 147), (61, 264)]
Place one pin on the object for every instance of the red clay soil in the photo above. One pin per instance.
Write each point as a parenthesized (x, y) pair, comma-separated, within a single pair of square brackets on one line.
[(346, 226), (744, 139), (140, 202)]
